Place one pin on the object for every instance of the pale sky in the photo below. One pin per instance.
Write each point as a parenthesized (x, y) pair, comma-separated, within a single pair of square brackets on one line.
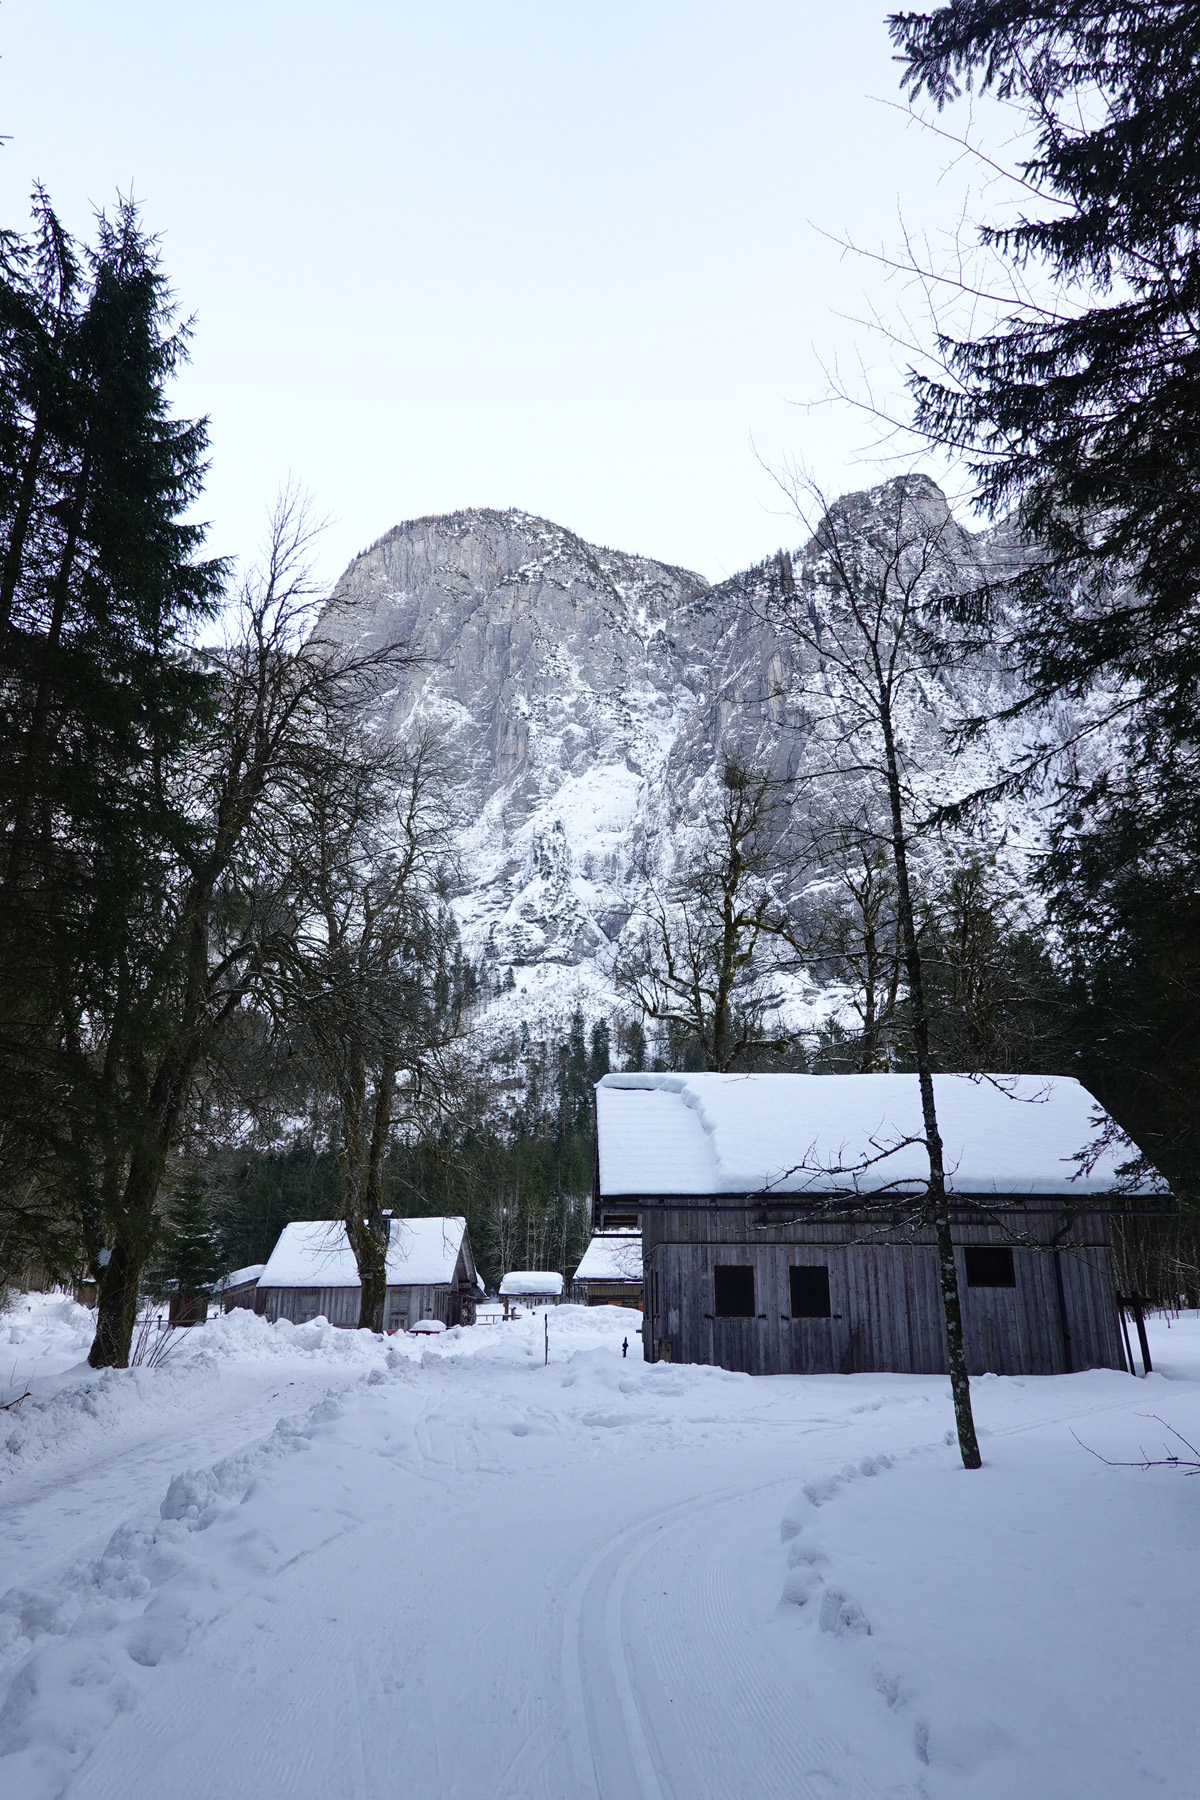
[(556, 254)]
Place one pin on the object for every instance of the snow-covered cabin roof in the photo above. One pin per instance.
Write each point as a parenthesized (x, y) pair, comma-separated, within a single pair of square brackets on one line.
[(531, 1284), (239, 1277), (612, 1256), (789, 1134), (317, 1253)]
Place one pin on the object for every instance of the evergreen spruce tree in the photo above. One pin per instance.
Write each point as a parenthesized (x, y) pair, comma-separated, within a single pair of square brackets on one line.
[(1085, 414), (188, 1257), (1082, 415), (100, 581)]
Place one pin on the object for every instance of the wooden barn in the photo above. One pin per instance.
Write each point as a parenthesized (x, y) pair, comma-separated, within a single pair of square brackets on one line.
[(778, 1229), (610, 1270), (311, 1273)]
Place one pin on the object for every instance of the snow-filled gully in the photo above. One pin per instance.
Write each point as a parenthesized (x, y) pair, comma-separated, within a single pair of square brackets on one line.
[(453, 1571)]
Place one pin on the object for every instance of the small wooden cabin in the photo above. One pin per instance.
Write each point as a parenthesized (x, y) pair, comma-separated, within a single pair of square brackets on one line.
[(780, 1227), (610, 1270), (534, 1287), (311, 1273), (239, 1288)]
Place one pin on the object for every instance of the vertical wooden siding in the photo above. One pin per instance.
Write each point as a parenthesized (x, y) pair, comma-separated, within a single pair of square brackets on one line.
[(884, 1298)]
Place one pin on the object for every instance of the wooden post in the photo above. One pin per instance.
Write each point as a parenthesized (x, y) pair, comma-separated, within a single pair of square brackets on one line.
[(1139, 1320), (1135, 1304), (546, 1322), (1125, 1335)]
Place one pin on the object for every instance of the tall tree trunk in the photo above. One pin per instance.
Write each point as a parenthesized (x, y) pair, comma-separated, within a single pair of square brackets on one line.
[(132, 1220), (376, 1227), (23, 515), (38, 733), (116, 1312), (362, 1188), (938, 1202), (133, 1240)]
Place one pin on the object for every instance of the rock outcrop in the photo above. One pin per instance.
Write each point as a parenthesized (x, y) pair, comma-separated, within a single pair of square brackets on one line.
[(584, 697)]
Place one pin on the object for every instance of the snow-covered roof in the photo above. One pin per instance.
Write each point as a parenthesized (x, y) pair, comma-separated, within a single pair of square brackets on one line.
[(532, 1283), (239, 1277), (739, 1134), (612, 1256), (317, 1253)]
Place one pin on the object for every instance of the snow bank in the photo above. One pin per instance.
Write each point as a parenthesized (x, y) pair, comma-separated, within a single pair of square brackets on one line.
[(81, 1646), (40, 1335), (518, 1342), (242, 1336), (85, 1408), (1007, 1632), (71, 1408)]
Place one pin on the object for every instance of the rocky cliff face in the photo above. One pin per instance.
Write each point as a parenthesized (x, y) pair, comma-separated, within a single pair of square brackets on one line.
[(584, 697)]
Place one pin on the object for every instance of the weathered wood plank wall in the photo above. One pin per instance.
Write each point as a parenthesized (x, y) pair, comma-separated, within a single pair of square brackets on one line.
[(885, 1300), (339, 1305)]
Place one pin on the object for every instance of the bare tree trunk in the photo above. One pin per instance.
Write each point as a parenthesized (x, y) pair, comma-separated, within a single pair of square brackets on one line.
[(938, 1201), (373, 1227), (372, 1265), (117, 1304), (35, 743)]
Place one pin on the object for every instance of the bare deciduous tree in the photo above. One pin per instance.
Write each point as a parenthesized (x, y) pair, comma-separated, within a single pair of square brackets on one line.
[(869, 625), (697, 965), (852, 927), (370, 979)]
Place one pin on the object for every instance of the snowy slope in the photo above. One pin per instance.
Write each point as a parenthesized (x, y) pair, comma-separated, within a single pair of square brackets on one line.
[(461, 1571)]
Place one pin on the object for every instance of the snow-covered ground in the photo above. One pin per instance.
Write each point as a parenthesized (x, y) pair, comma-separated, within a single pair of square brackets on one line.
[(308, 1563)]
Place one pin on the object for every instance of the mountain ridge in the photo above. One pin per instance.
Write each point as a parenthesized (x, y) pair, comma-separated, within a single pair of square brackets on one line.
[(585, 698)]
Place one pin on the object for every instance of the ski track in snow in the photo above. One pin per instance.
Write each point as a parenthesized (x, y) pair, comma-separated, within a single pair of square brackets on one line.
[(465, 1575)]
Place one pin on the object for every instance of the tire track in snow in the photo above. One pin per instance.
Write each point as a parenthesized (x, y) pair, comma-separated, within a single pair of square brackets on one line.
[(616, 1751), (694, 1608)]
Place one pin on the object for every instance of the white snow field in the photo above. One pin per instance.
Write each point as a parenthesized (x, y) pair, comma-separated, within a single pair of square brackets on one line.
[(304, 1564)]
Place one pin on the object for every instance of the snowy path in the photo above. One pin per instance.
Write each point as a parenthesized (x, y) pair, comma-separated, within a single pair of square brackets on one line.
[(67, 1509), (476, 1578)]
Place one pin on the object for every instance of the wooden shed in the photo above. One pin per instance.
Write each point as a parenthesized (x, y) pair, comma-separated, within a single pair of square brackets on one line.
[(239, 1288), (779, 1232), (610, 1270), (532, 1287), (311, 1273)]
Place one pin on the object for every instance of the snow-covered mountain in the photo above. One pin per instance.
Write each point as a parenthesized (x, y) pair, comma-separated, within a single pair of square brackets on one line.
[(585, 698)]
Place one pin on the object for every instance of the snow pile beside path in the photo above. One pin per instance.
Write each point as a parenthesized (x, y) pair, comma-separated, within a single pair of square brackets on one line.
[(86, 1408), (241, 1336), (71, 1408), (41, 1334), (76, 1652), (518, 1342)]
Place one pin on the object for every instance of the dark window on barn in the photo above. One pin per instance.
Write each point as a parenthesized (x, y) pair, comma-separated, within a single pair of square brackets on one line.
[(733, 1292), (810, 1291), (990, 1268)]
